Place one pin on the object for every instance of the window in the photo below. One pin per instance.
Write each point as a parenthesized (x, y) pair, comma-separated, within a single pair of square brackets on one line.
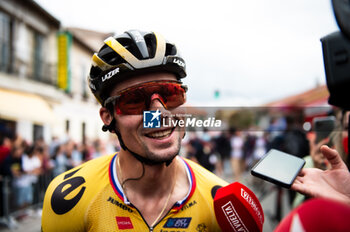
[(38, 57), (7, 128), (83, 132), (67, 126), (38, 132), (84, 83), (5, 42)]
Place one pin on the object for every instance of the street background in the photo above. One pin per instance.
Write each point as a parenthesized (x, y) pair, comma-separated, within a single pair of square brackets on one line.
[(255, 65)]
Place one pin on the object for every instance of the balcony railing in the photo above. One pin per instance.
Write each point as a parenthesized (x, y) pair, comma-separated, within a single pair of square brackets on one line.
[(43, 72)]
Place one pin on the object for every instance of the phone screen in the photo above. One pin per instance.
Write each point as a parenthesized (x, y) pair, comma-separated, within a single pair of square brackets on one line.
[(323, 126), (278, 167)]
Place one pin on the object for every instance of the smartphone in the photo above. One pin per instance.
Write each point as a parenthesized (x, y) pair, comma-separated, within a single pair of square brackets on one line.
[(278, 167), (323, 126)]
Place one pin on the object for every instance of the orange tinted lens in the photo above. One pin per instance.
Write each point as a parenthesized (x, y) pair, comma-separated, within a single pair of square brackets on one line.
[(132, 102), (173, 95), (135, 101)]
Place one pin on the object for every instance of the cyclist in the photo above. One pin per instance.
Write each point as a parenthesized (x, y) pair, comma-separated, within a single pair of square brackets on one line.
[(146, 186)]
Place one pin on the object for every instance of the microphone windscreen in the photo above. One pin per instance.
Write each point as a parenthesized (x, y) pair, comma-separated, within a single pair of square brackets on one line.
[(238, 209), (317, 215)]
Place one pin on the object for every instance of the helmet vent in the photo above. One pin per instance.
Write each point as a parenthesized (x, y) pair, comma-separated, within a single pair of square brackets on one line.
[(109, 56), (170, 50), (151, 42)]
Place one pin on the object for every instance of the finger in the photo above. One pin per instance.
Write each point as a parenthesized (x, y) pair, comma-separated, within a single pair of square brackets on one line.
[(302, 172), (297, 181), (322, 142), (299, 187), (333, 157), (295, 186)]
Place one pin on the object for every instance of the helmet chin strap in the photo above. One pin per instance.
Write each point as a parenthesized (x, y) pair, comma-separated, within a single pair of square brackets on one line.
[(111, 128)]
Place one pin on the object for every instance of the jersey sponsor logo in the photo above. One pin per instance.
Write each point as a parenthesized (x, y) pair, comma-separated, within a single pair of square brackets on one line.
[(172, 230), (190, 204), (178, 222), (120, 205), (202, 228), (124, 223), (59, 203)]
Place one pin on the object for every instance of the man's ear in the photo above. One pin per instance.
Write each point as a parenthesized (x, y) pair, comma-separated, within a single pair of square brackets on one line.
[(105, 116)]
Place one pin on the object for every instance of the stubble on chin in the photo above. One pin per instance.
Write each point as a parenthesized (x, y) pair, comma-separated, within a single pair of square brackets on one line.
[(163, 156)]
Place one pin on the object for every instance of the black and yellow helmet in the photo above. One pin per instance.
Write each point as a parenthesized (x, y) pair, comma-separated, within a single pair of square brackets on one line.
[(132, 53)]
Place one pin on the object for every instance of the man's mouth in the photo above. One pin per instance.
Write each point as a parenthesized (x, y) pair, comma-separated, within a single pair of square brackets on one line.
[(160, 134)]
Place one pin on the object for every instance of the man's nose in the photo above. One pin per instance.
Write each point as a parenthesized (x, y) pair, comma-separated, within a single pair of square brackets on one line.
[(157, 102)]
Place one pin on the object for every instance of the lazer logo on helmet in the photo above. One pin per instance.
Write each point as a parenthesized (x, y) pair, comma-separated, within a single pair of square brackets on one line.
[(179, 62), (110, 74)]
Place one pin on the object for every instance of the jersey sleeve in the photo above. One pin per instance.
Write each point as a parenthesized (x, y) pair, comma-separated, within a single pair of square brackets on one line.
[(70, 194)]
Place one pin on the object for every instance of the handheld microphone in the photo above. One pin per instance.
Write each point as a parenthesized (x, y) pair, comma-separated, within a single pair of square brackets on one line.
[(318, 214), (238, 209)]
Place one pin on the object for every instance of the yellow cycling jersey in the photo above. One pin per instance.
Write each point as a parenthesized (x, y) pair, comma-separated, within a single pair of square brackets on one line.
[(90, 198)]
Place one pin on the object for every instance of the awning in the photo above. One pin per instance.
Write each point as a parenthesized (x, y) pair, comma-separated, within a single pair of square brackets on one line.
[(26, 106)]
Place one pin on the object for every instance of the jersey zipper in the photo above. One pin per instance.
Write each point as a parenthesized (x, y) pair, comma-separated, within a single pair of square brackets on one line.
[(150, 227)]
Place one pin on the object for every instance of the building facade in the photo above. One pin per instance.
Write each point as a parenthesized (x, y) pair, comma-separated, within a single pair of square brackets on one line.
[(33, 104)]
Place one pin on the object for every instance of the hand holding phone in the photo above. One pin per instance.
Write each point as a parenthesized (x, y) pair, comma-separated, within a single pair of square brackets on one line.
[(278, 167)]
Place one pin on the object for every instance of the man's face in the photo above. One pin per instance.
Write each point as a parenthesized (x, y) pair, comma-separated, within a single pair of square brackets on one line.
[(157, 144)]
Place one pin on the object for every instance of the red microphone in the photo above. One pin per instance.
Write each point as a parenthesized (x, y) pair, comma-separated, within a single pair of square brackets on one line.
[(238, 209), (316, 215)]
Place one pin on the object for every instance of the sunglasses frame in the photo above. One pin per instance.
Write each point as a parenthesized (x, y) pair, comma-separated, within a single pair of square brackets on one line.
[(113, 99)]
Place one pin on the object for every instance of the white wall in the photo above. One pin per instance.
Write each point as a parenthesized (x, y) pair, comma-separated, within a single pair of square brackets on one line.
[(25, 130)]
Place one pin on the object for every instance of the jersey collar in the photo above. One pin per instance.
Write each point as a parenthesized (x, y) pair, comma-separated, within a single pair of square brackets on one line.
[(113, 179)]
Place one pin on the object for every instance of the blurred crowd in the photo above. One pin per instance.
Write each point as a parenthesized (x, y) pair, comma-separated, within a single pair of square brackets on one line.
[(239, 148), (242, 149), (29, 167)]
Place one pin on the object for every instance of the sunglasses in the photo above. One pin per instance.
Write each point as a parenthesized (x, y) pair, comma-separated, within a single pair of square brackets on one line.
[(136, 99)]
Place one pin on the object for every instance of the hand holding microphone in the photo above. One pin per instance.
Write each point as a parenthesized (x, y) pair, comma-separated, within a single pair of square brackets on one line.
[(238, 209)]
